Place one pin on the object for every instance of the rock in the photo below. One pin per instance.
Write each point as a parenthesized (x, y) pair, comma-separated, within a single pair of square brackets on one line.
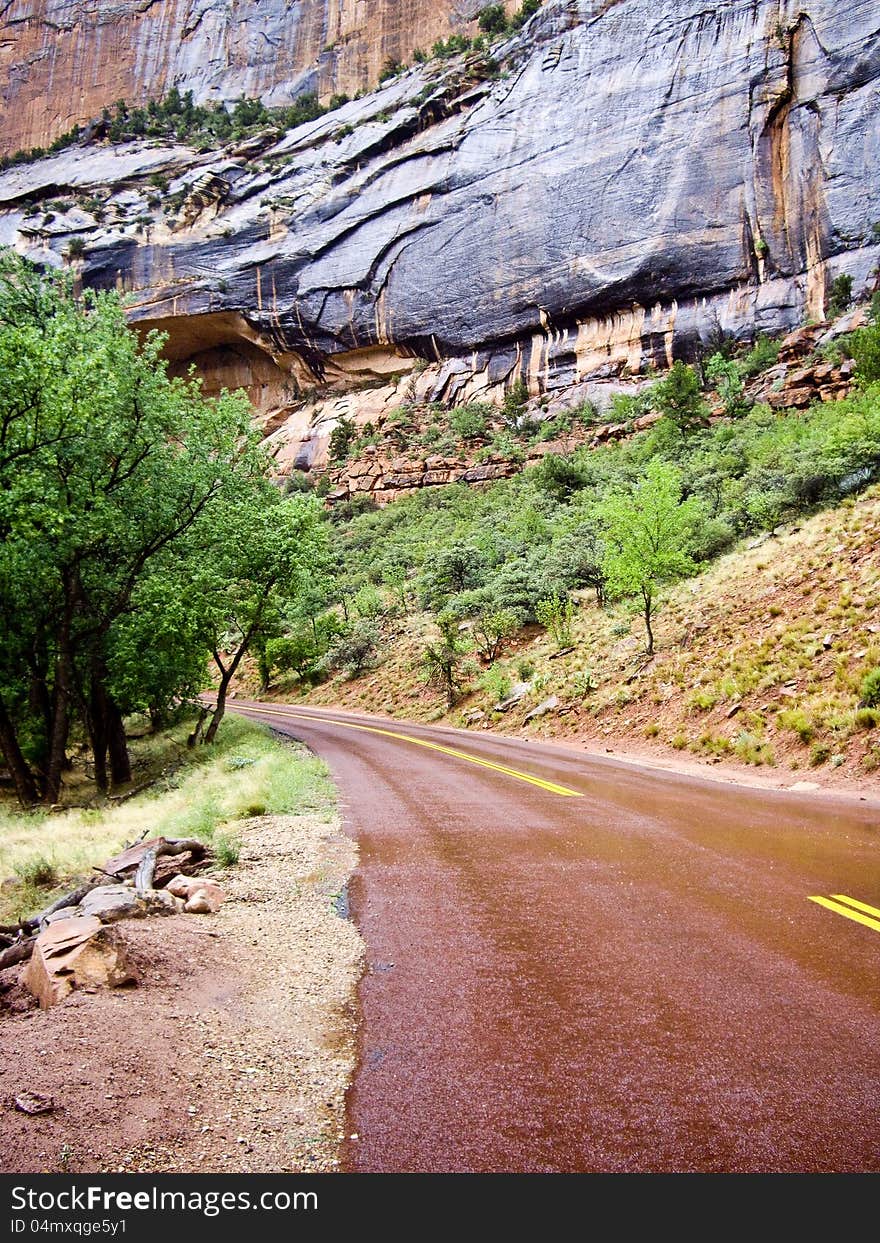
[(76, 953), (518, 692), (805, 786), (110, 903), (547, 705), (201, 897), (348, 244), (733, 709)]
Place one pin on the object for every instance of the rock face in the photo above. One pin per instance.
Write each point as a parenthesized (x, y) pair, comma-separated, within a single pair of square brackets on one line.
[(638, 176), (62, 61)]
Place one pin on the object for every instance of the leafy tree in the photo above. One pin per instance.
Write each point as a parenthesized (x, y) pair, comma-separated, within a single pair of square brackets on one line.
[(105, 465), (355, 649), (725, 374), (256, 552), (678, 397), (840, 295), (491, 627), (492, 19), (647, 531)]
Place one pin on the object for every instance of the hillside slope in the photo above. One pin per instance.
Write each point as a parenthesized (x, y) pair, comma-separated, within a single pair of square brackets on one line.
[(759, 662)]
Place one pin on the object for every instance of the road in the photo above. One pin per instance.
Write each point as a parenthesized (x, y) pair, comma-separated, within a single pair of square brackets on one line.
[(579, 964)]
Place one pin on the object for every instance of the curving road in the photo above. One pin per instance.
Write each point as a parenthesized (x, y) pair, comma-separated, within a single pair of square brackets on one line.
[(578, 964)]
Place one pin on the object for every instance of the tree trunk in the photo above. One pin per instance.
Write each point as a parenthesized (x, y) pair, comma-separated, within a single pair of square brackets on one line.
[(220, 707), (98, 733), (649, 601), (22, 777), (62, 693), (120, 763)]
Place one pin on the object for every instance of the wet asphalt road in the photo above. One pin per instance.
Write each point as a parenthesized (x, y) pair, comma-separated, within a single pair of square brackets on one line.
[(630, 976)]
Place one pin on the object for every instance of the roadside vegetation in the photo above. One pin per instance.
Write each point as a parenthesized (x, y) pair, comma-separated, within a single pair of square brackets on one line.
[(442, 598), (204, 794), (140, 536)]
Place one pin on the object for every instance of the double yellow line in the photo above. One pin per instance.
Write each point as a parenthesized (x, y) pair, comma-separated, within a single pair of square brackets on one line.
[(564, 791), (851, 908)]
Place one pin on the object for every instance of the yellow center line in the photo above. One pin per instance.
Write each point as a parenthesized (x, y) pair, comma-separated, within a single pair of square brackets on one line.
[(564, 791), (848, 913), (860, 906)]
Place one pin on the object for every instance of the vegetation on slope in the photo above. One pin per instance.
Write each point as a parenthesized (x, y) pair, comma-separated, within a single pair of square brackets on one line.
[(469, 577)]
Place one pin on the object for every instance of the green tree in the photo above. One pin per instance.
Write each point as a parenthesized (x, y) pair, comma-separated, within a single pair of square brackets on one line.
[(445, 660), (491, 627), (678, 397), (105, 465), (254, 554), (648, 528)]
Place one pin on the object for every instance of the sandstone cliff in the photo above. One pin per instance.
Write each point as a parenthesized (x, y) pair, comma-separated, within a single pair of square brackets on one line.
[(62, 61), (638, 175)]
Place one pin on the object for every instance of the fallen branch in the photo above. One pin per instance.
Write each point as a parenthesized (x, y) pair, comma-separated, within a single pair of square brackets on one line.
[(144, 876), (19, 952)]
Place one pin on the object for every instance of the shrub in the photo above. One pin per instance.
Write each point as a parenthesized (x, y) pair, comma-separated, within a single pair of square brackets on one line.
[(819, 755), (864, 346), (725, 375), (514, 404), (491, 628), (355, 650), (492, 19), (445, 661), (840, 295), (495, 682), (227, 848), (470, 422), (870, 690), (762, 355), (678, 397), (37, 871), (556, 614), (341, 439)]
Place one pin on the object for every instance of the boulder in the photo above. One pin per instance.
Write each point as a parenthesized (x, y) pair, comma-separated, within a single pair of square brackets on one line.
[(547, 705), (201, 897), (109, 903), (76, 953)]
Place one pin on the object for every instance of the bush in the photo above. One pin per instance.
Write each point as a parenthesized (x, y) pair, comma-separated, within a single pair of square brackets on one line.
[(762, 355), (227, 848), (864, 345), (341, 439), (495, 683), (840, 295), (556, 614), (38, 871), (870, 690), (491, 628), (678, 397), (355, 650), (492, 19), (470, 422)]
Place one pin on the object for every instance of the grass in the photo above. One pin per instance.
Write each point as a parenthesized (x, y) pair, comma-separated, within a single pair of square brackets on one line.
[(245, 773)]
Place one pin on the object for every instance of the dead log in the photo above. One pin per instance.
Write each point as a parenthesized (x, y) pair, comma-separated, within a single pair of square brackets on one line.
[(17, 953), (144, 876)]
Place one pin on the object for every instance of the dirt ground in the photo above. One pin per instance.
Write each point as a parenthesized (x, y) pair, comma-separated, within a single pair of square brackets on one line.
[(234, 1051)]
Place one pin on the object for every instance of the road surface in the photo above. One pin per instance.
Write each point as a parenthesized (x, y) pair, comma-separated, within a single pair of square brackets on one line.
[(578, 964)]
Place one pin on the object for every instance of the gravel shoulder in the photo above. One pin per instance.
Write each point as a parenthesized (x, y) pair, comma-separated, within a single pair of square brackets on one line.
[(233, 1053)]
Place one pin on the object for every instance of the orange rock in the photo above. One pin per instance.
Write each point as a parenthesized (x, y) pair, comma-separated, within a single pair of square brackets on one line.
[(76, 953)]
